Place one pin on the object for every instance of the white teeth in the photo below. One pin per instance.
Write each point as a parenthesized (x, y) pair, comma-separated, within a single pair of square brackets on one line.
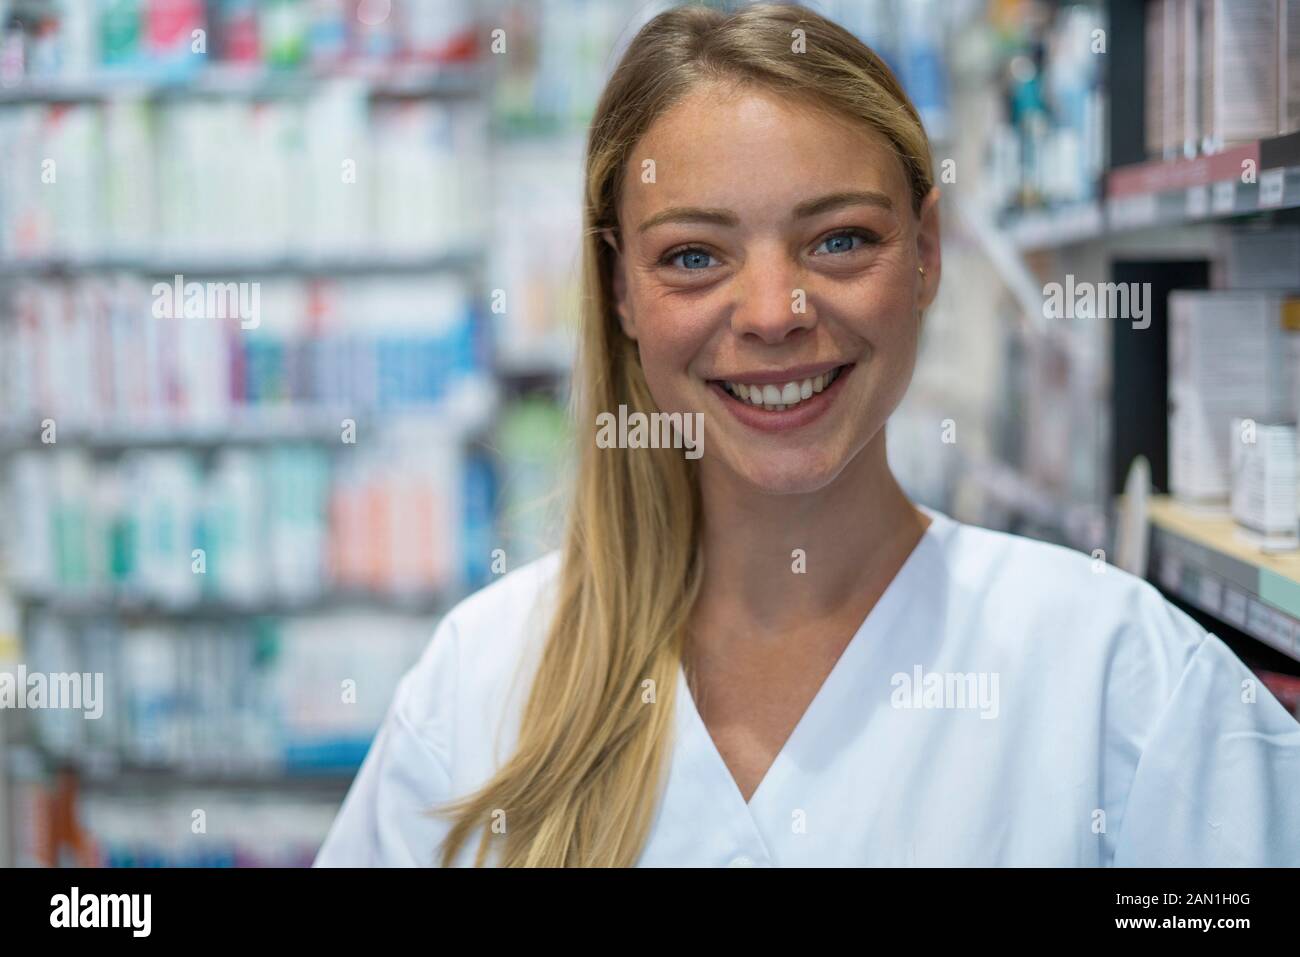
[(777, 398)]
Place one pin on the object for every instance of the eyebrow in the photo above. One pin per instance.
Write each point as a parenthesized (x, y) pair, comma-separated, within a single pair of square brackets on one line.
[(816, 207), (813, 207), (689, 214)]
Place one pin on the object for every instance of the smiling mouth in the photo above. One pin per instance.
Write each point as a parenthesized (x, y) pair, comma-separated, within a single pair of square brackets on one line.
[(779, 398)]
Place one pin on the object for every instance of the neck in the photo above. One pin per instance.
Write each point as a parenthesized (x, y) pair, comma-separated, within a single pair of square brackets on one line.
[(853, 535)]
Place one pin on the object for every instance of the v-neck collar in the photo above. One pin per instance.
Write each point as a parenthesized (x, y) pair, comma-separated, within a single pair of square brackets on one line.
[(873, 628)]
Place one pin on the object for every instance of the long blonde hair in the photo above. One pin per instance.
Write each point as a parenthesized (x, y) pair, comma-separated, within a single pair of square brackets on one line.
[(583, 784)]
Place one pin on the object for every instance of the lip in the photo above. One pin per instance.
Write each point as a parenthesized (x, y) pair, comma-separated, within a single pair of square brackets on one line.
[(807, 411), (780, 376)]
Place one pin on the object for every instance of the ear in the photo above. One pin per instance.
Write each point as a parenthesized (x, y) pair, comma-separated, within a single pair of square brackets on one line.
[(619, 282), (928, 256)]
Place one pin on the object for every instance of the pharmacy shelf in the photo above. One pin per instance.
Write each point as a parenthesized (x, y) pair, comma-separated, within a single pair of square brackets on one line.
[(305, 771), (1200, 556), (461, 417), (1058, 226), (452, 81), (1172, 193), (258, 428), (63, 604), (546, 365), (248, 264), (99, 771), (1081, 525)]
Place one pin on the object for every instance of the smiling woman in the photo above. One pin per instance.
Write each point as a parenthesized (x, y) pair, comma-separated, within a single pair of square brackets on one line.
[(710, 668)]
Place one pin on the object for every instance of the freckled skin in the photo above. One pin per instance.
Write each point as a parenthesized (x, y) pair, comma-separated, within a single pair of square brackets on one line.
[(759, 156)]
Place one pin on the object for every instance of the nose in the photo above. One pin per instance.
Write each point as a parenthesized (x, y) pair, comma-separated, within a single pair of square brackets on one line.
[(771, 304)]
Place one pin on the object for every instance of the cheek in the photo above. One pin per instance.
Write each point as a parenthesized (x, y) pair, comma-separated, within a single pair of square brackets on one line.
[(894, 341), (883, 313), (668, 345), (670, 334)]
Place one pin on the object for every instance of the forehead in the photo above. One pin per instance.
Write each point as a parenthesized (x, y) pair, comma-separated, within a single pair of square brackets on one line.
[(754, 151)]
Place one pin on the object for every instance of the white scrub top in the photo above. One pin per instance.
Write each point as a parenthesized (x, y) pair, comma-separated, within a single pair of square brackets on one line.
[(1006, 702)]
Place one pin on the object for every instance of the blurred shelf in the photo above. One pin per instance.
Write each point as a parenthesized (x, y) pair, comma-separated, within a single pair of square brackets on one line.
[(1199, 555), (206, 608), (450, 81), (1060, 226), (552, 356), (544, 372), (103, 772), (1171, 193), (464, 412), (167, 264), (262, 427), (1082, 526), (521, 130)]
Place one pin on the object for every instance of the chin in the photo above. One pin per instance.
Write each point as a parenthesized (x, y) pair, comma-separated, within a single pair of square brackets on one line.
[(788, 472)]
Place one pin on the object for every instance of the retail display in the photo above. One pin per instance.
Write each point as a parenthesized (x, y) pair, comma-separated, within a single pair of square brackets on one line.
[(1263, 468), (1227, 357)]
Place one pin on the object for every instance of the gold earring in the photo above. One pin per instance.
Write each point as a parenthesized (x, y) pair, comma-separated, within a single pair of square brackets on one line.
[(921, 270)]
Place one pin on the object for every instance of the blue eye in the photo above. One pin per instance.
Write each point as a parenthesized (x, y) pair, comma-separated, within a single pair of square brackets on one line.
[(690, 254), (844, 241)]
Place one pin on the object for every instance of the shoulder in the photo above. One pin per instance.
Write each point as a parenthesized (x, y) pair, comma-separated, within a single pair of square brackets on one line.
[(1117, 690), (1069, 609), (498, 616), (478, 646), (447, 705)]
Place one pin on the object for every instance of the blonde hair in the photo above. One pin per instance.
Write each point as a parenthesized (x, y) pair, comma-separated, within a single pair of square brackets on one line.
[(583, 784)]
